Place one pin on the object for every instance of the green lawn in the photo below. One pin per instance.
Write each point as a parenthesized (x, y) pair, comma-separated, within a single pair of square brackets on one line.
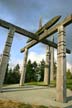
[(69, 84), (52, 84), (36, 83)]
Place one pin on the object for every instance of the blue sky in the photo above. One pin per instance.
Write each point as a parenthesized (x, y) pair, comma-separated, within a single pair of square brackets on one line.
[(26, 14)]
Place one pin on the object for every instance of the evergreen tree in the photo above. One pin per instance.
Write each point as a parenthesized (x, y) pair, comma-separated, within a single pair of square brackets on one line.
[(55, 70), (9, 79), (29, 72), (34, 71), (42, 66), (12, 76), (69, 75), (6, 74), (16, 74)]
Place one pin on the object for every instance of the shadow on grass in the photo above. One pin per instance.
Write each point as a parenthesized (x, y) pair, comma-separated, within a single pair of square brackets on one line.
[(27, 87), (69, 98), (24, 88), (68, 106)]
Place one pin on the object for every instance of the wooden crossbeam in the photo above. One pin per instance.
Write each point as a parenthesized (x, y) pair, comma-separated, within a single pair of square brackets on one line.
[(48, 25), (26, 33), (65, 22), (19, 30), (47, 42), (47, 33)]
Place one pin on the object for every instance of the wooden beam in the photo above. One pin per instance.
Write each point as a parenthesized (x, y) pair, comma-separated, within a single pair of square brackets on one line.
[(47, 42), (48, 25), (24, 32), (65, 22), (47, 33), (19, 30)]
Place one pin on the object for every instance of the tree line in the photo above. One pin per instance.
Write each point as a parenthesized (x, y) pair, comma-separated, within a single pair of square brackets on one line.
[(34, 72)]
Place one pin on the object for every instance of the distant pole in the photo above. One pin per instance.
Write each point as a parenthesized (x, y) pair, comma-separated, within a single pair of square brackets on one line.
[(23, 73), (47, 61), (40, 22), (47, 66), (71, 69), (52, 61)]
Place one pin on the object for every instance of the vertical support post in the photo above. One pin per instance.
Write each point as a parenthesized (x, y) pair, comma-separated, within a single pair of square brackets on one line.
[(6, 54), (22, 79), (47, 67), (61, 66), (52, 61)]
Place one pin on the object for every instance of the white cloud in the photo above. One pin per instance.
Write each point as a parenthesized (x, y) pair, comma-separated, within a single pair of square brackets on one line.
[(14, 62), (34, 56), (69, 66), (55, 55)]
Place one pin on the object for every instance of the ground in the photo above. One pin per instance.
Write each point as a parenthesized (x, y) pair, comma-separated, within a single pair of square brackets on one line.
[(36, 95), (13, 104)]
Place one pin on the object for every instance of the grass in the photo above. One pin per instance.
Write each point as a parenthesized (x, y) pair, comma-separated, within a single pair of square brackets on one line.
[(69, 84), (12, 104), (36, 83), (41, 83), (52, 84)]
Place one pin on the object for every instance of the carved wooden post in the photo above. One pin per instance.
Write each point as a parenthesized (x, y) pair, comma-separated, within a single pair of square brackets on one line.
[(47, 67), (6, 54), (52, 61), (61, 66), (23, 73)]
